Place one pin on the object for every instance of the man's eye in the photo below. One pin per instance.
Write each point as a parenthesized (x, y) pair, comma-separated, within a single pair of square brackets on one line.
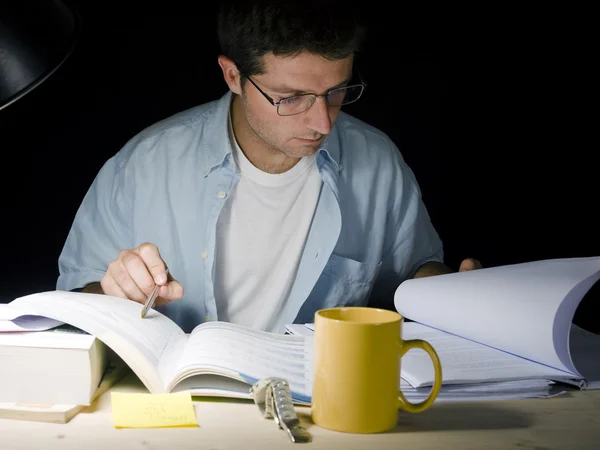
[(290, 100)]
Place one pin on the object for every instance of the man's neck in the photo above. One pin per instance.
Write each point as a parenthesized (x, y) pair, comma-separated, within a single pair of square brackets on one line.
[(263, 157)]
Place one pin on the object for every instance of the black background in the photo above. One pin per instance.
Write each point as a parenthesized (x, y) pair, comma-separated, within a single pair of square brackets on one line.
[(491, 109)]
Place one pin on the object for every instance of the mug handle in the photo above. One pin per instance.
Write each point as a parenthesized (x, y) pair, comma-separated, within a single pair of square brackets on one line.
[(405, 346)]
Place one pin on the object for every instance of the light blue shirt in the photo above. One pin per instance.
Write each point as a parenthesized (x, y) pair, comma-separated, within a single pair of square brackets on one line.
[(167, 185)]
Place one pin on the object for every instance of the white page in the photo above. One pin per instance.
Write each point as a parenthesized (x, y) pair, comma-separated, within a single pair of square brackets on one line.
[(252, 354), (12, 320), (464, 361), (214, 385), (493, 386), (48, 339), (498, 386), (485, 397), (144, 344), (299, 329), (503, 390), (524, 309)]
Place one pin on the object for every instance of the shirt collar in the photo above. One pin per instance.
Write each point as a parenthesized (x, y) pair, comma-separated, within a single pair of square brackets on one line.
[(330, 149), (217, 147)]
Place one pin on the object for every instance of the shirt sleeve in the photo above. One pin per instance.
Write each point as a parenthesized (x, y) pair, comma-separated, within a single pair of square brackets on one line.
[(411, 237), (101, 227)]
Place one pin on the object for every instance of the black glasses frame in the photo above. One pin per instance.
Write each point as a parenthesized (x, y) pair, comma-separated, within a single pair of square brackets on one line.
[(361, 83)]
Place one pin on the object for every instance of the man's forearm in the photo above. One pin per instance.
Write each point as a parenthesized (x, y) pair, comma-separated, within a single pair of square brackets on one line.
[(93, 288), (432, 268)]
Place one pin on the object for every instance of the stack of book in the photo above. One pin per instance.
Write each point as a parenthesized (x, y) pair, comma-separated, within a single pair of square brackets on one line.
[(50, 370)]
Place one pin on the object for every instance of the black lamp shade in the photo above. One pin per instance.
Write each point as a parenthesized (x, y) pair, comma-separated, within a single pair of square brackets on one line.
[(36, 37)]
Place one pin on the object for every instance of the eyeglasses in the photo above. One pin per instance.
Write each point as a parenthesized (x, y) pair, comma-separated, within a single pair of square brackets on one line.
[(290, 106)]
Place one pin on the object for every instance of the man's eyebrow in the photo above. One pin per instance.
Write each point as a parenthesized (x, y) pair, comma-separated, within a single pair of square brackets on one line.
[(283, 89)]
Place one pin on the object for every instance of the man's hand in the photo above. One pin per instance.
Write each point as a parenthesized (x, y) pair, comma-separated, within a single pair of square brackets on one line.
[(433, 268), (469, 264), (134, 274)]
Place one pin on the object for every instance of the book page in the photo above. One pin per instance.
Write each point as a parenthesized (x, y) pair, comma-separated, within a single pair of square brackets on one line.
[(141, 343), (48, 339), (524, 309), (222, 347), (464, 361), (211, 385)]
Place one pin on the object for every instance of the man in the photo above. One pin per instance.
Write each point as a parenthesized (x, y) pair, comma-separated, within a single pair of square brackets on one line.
[(266, 204)]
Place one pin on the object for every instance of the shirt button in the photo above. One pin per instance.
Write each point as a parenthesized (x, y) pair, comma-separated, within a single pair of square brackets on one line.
[(206, 318), (221, 194), (204, 254)]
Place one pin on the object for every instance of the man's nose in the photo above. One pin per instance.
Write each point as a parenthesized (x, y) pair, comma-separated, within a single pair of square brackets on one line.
[(318, 117)]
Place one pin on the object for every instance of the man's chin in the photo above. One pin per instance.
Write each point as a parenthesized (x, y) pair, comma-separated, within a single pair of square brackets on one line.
[(305, 150)]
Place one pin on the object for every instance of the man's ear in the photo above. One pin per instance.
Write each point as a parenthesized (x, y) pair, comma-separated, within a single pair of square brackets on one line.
[(231, 74)]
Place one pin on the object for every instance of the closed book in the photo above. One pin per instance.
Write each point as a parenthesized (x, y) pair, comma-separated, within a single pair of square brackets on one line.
[(63, 365), (59, 413)]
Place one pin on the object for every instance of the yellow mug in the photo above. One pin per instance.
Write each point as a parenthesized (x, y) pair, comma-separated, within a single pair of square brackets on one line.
[(356, 374)]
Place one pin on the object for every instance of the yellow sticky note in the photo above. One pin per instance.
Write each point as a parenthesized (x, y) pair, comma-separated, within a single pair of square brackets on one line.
[(141, 410)]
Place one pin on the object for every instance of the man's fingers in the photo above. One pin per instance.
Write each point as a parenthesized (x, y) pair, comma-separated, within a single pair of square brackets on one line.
[(118, 281), (110, 286), (469, 264), (136, 270), (129, 285), (171, 291), (151, 257)]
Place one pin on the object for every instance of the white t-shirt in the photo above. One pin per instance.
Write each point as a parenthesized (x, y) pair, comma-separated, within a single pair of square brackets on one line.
[(261, 233)]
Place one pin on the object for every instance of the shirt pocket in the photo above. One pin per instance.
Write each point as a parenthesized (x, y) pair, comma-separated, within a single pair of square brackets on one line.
[(348, 282)]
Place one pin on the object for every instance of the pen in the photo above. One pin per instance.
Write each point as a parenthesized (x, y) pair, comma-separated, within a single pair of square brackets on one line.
[(152, 298)]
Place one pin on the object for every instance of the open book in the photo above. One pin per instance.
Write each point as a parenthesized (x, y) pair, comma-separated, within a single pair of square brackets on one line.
[(510, 322), (215, 359)]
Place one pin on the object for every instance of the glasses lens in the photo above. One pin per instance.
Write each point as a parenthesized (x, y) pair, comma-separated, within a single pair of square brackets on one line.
[(345, 95), (337, 97), (295, 105)]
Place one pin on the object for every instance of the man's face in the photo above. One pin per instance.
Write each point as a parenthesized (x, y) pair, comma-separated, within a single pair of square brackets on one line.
[(302, 134)]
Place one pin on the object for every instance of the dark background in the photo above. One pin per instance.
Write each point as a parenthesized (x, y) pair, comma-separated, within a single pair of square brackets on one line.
[(490, 109)]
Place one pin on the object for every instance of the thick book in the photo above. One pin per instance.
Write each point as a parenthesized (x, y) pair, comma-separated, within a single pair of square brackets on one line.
[(511, 322), (63, 365), (62, 413), (216, 359)]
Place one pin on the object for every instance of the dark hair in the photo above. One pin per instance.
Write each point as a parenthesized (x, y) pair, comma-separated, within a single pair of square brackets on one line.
[(249, 29)]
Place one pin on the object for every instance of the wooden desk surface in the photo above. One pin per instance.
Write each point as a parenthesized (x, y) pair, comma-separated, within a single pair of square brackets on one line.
[(570, 422)]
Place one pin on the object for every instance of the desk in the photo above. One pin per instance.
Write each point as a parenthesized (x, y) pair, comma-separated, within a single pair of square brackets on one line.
[(570, 422)]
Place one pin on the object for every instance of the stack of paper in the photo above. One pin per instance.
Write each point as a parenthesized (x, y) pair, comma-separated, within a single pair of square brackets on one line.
[(500, 332), (503, 323), (501, 390), (462, 371)]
